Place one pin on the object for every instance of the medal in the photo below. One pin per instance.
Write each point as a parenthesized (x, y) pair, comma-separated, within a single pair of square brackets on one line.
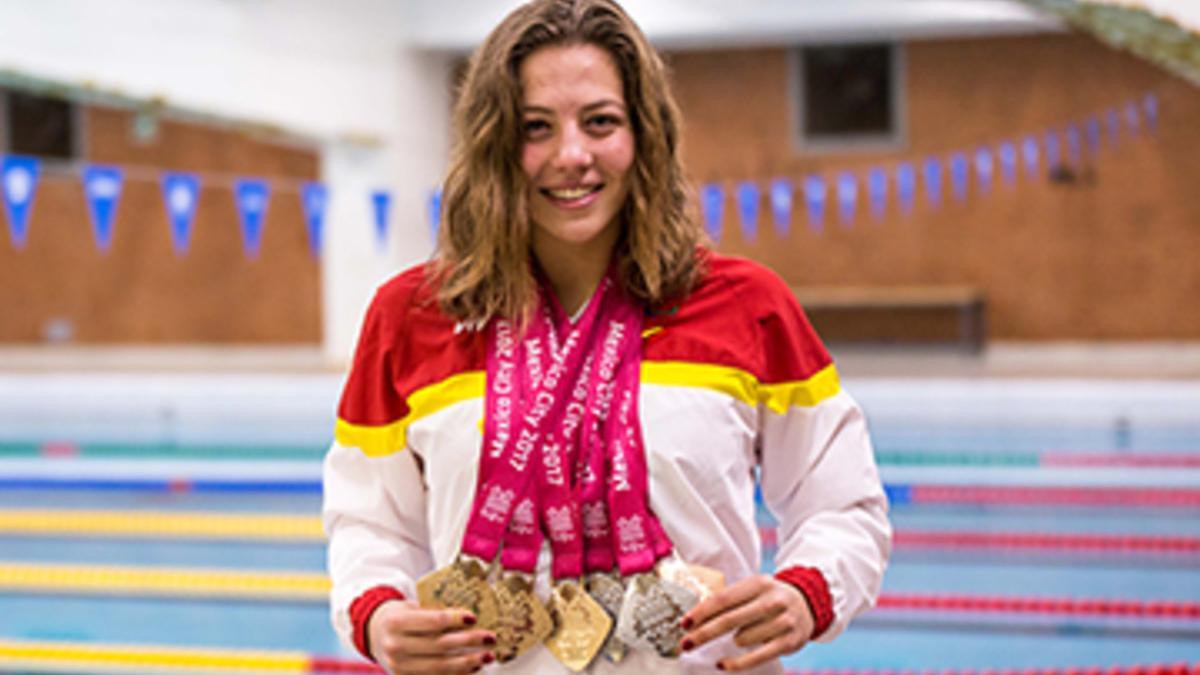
[(651, 613), (580, 626), (461, 584), (521, 619), (607, 590), (703, 581)]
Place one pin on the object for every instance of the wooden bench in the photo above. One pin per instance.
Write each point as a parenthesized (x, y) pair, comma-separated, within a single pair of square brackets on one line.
[(897, 313)]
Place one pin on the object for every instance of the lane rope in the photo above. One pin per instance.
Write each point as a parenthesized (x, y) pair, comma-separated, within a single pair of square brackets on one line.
[(161, 581)]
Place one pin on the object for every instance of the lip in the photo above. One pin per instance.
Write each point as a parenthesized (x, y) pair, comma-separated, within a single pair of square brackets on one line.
[(583, 200)]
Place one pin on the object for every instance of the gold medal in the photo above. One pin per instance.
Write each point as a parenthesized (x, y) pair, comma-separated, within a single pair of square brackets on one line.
[(703, 581), (607, 590), (462, 584), (651, 613), (521, 619), (580, 626)]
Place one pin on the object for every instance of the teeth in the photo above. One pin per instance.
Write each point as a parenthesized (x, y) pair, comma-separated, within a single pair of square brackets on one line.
[(570, 193)]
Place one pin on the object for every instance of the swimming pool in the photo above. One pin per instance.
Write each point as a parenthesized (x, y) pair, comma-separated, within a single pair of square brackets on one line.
[(1040, 524)]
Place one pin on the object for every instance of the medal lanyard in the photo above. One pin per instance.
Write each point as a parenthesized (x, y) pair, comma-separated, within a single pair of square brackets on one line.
[(514, 431)]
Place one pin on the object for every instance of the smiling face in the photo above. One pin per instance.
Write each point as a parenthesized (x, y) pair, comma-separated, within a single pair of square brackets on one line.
[(577, 148)]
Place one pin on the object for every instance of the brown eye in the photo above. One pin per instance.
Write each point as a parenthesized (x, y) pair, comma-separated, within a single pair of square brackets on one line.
[(603, 122), (535, 128)]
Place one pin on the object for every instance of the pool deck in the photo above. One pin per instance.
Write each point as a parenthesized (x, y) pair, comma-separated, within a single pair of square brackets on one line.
[(1125, 360)]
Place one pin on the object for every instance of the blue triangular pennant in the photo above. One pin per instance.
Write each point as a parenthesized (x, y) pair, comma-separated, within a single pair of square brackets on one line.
[(814, 200), (181, 193), (781, 204), (959, 174), (1053, 154), (747, 201), (252, 197), (1150, 110), (1114, 127), (1074, 147), (1030, 152), (877, 185), (1133, 118), (314, 197), (381, 202), (847, 194), (20, 181), (933, 181), (435, 212), (712, 202), (906, 186), (102, 189), (984, 168), (1008, 162), (1093, 135)]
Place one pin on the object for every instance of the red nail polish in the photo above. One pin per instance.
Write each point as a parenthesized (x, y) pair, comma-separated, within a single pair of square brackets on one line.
[(720, 666), (489, 641), (687, 645), (686, 623), (488, 658), (469, 620)]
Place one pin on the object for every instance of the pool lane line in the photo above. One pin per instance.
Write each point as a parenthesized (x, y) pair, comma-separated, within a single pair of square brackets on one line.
[(1043, 495), (162, 524), (127, 581), (56, 657), (1025, 541), (180, 484), (308, 529), (1043, 605), (1043, 458), (1174, 668), (59, 449)]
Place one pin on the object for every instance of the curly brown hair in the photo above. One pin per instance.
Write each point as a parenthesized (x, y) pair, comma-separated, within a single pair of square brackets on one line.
[(482, 264)]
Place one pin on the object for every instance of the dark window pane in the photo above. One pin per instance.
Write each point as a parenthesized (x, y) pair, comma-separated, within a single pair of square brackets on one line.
[(40, 126), (847, 90)]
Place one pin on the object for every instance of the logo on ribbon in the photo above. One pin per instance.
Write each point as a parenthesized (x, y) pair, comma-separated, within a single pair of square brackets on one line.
[(102, 188), (20, 180), (314, 197), (252, 197), (181, 193)]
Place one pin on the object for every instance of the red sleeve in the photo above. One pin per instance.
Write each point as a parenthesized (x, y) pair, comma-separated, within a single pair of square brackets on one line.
[(812, 585), (361, 610)]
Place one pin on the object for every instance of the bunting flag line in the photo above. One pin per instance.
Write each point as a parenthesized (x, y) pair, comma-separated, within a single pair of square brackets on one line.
[(1008, 163), (847, 193), (381, 203), (252, 197), (1150, 108), (814, 199), (1114, 128), (1132, 118), (20, 180), (1053, 157), (748, 201), (958, 175), (781, 205), (984, 168), (933, 182), (314, 198), (1093, 135), (712, 202), (181, 193), (102, 190), (435, 212), (1030, 152), (1074, 149), (906, 186), (877, 182)]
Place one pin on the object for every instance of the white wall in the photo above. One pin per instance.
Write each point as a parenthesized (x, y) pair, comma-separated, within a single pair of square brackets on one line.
[(335, 71)]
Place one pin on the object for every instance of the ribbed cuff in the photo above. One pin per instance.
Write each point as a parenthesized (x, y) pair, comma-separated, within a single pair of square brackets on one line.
[(811, 584), (361, 610)]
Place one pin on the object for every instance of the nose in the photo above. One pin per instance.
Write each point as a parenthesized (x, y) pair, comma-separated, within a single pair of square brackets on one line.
[(574, 151)]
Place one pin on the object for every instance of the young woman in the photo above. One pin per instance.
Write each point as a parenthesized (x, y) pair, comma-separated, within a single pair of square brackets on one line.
[(547, 448)]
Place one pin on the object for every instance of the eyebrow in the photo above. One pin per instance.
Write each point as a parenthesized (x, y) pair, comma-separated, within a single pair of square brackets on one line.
[(587, 108)]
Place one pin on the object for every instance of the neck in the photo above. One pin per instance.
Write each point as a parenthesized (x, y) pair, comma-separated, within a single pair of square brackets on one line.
[(573, 272)]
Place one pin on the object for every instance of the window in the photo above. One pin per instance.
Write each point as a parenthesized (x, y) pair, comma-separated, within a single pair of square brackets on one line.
[(39, 126), (849, 96)]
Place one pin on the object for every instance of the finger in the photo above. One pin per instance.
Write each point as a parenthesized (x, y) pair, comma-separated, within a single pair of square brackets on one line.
[(432, 621), (467, 663), (731, 619), (761, 632), (771, 650), (730, 596), (454, 642)]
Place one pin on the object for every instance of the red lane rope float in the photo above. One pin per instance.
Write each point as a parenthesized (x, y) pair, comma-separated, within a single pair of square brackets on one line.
[(1056, 495), (1153, 609), (1132, 544), (1160, 460), (1149, 669)]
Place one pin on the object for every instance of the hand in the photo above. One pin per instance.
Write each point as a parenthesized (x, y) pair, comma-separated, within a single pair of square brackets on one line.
[(764, 613), (404, 638)]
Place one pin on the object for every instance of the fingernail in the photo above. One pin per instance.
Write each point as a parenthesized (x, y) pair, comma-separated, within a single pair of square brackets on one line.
[(686, 623), (687, 645), (488, 658), (489, 640), (720, 666), (469, 620)]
